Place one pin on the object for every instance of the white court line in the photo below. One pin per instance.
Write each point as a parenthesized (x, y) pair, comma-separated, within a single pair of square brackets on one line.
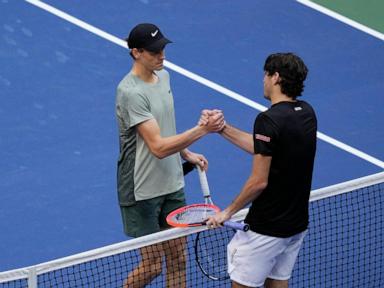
[(342, 18), (198, 78)]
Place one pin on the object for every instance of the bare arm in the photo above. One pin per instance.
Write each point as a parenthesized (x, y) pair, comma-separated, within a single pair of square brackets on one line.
[(256, 183), (164, 146), (238, 137)]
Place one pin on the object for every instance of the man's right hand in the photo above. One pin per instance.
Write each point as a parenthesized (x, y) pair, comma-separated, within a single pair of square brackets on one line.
[(213, 120)]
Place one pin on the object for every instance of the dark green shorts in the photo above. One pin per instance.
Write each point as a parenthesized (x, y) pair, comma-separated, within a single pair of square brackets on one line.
[(149, 216)]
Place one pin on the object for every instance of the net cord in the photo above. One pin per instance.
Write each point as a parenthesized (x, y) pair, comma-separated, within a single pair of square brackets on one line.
[(346, 187), (30, 273)]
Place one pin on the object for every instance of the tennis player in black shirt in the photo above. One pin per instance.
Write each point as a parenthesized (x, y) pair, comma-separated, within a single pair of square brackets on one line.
[(283, 145)]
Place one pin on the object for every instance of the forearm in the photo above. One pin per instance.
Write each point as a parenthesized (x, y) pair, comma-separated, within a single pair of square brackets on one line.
[(238, 137), (166, 146), (255, 185), (251, 190), (184, 153)]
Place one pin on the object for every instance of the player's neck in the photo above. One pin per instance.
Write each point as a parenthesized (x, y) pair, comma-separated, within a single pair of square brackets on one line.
[(144, 74), (280, 97)]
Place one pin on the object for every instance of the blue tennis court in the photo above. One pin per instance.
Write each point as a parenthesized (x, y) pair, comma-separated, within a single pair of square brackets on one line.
[(58, 133)]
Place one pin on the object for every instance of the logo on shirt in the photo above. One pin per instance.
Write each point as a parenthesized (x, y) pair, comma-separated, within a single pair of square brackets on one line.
[(263, 138)]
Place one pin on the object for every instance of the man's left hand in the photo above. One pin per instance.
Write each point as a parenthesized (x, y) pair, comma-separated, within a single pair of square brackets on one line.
[(218, 219), (197, 159)]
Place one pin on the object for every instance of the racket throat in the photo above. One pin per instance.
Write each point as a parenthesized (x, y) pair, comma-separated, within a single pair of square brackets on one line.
[(208, 199)]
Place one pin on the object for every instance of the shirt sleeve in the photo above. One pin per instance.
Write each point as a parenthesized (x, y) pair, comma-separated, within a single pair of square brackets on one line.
[(265, 135), (137, 107)]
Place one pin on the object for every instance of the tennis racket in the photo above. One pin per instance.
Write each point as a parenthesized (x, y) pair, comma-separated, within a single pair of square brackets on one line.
[(208, 201), (196, 215), (210, 245)]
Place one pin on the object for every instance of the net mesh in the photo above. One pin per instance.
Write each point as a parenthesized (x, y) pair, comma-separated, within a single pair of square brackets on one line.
[(343, 248), (20, 283)]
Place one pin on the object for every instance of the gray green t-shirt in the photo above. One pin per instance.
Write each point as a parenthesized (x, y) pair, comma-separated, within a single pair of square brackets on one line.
[(140, 174)]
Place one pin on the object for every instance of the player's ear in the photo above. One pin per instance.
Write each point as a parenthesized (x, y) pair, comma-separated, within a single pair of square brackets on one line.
[(135, 53), (276, 78)]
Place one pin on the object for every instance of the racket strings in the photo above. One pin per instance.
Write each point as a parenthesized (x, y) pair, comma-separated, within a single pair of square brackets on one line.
[(193, 215)]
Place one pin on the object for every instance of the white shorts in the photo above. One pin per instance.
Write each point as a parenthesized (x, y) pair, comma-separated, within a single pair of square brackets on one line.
[(252, 257)]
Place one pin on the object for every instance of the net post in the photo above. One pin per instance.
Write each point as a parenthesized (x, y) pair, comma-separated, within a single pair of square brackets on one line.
[(32, 278)]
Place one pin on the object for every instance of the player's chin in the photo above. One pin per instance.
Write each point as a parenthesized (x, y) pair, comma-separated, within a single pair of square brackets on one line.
[(159, 67)]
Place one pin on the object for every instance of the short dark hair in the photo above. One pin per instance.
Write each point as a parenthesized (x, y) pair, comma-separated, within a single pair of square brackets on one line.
[(292, 72)]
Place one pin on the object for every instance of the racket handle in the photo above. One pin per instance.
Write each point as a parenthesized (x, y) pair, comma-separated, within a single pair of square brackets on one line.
[(236, 225), (203, 182)]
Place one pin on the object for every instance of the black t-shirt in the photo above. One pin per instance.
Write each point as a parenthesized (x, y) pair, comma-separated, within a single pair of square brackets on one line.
[(287, 132)]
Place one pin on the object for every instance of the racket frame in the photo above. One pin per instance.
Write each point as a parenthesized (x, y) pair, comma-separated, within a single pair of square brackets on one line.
[(199, 262), (230, 224)]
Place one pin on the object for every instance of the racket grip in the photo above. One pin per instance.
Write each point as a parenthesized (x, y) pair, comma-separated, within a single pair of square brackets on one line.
[(203, 182), (236, 225)]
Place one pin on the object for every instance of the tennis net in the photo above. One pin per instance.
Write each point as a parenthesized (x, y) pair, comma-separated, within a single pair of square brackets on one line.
[(343, 248)]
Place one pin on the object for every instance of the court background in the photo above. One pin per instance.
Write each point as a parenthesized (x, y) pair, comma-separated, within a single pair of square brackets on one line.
[(58, 132)]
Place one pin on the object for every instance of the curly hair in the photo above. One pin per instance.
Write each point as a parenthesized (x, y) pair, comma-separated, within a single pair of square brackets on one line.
[(292, 72)]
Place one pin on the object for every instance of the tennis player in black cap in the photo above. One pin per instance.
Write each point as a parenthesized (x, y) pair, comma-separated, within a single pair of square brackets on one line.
[(150, 174)]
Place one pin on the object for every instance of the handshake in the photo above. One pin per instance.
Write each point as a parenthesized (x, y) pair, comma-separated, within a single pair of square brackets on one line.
[(212, 120)]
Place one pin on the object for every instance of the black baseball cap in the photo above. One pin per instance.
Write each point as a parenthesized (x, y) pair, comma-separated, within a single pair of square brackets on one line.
[(147, 36)]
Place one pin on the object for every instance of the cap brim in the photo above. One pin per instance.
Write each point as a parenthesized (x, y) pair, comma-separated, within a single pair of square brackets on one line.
[(158, 45)]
